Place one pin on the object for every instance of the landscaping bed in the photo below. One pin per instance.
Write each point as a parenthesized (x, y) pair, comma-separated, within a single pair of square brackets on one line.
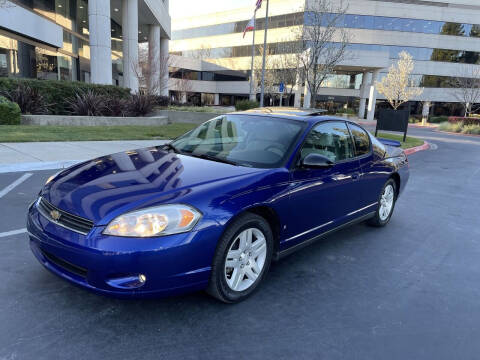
[(409, 143), (460, 128)]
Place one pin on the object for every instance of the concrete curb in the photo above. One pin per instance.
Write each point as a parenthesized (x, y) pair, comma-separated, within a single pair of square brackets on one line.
[(415, 149), (66, 120)]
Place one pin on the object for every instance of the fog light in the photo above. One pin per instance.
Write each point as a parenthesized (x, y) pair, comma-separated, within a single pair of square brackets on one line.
[(128, 282)]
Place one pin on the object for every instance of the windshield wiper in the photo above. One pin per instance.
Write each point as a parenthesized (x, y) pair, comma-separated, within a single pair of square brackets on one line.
[(212, 158), (169, 146)]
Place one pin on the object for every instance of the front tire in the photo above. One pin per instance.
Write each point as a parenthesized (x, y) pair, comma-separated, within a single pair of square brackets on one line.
[(386, 204), (242, 259)]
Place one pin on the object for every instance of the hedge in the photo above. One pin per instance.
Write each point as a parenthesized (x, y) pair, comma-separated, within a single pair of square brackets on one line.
[(437, 119), (57, 93), (9, 112), (243, 105), (464, 120)]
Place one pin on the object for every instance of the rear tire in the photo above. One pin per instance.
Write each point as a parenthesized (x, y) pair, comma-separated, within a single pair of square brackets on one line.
[(242, 259), (386, 204)]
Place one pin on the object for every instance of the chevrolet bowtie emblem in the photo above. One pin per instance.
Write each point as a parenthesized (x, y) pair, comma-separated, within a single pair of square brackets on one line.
[(55, 215)]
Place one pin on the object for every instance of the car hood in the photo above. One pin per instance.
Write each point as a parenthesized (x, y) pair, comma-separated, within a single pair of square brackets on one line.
[(128, 180)]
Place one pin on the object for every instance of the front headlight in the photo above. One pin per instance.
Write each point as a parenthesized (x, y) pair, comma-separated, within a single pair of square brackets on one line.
[(155, 221)]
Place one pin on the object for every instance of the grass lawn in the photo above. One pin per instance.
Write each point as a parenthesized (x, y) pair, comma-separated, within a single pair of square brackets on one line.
[(30, 133), (411, 141)]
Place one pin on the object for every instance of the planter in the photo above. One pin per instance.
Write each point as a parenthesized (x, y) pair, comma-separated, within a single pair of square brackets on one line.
[(187, 116), (92, 120), (393, 120)]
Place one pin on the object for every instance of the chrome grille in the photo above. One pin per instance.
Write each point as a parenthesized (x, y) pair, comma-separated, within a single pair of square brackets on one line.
[(63, 218)]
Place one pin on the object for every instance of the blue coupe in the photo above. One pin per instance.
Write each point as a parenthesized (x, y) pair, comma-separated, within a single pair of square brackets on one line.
[(213, 208)]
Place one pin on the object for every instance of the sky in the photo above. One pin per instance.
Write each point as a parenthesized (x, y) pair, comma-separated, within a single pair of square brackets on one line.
[(184, 8)]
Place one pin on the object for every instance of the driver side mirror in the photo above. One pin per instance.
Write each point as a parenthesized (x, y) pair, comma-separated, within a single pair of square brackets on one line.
[(316, 161)]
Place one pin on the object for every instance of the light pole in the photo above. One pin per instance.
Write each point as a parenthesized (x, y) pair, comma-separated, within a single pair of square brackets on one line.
[(262, 92)]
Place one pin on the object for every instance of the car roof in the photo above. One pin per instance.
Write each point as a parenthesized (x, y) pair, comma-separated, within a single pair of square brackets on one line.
[(307, 115)]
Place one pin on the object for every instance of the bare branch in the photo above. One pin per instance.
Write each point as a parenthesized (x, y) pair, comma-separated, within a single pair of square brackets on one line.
[(467, 88), (149, 79), (324, 41)]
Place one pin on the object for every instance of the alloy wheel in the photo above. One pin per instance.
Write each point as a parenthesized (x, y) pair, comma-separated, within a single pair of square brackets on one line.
[(245, 259), (386, 202)]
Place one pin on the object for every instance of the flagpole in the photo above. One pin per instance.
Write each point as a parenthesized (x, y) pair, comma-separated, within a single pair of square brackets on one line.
[(252, 95), (262, 92)]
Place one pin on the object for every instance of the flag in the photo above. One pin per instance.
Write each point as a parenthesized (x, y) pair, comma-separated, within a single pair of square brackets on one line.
[(258, 5), (250, 27)]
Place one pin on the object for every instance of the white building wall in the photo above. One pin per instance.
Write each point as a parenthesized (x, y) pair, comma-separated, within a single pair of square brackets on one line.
[(460, 11)]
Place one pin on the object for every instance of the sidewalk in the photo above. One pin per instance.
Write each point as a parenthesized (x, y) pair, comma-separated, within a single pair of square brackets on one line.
[(57, 155)]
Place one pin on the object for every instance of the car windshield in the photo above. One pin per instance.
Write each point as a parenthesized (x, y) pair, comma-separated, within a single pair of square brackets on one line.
[(246, 140)]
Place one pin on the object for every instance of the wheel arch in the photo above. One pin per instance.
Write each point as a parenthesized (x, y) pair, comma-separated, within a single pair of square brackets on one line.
[(396, 177), (272, 218)]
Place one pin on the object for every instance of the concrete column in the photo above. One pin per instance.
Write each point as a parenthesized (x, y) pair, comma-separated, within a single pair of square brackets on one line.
[(154, 60), (130, 43), (363, 96), (307, 98), (100, 41), (164, 64), (298, 92), (372, 96), (425, 112), (183, 98), (217, 99)]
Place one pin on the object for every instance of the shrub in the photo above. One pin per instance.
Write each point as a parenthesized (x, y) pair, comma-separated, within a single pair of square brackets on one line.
[(347, 111), (451, 127), (58, 93), (464, 120), (9, 112), (161, 100), (471, 129), (140, 105), (180, 104), (115, 106), (243, 105), (415, 119), (28, 99), (437, 119), (87, 103)]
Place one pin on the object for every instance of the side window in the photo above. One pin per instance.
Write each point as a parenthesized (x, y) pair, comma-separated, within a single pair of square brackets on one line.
[(330, 139), (361, 139)]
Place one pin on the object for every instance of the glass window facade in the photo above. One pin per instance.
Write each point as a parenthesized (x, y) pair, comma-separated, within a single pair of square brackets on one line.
[(238, 26), (348, 21), (178, 73), (419, 54), (401, 24), (72, 62)]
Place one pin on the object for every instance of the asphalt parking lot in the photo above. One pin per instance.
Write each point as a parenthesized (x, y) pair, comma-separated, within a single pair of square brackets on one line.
[(410, 290)]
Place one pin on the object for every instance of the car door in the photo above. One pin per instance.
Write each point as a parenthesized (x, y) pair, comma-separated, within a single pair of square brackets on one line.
[(374, 174), (323, 198)]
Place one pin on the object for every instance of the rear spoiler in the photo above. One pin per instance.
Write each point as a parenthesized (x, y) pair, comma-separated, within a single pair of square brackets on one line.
[(390, 142)]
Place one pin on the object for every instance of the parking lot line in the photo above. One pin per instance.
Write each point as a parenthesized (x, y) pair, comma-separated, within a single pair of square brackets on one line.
[(14, 184), (13, 232)]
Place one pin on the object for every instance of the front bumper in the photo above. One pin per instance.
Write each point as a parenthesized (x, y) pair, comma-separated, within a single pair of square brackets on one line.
[(109, 265)]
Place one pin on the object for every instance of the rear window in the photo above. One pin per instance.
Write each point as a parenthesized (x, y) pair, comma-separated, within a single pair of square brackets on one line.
[(378, 147), (361, 140)]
